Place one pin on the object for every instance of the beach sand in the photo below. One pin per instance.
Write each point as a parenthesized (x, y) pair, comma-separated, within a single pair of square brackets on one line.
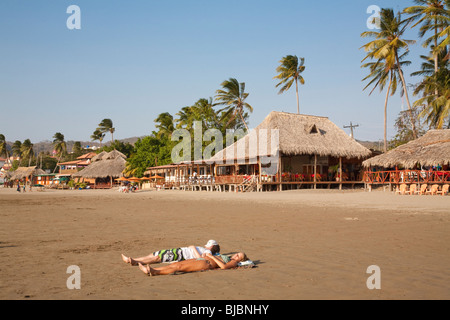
[(308, 244)]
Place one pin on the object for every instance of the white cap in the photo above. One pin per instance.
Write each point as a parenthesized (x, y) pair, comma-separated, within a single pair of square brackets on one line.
[(211, 243)]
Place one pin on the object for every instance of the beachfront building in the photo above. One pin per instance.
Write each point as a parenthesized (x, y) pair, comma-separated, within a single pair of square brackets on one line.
[(291, 151), (103, 169), (70, 167), (25, 175), (192, 173), (285, 151), (424, 161), (46, 179)]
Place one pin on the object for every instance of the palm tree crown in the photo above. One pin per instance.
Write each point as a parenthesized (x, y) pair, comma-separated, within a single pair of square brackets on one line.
[(107, 126), (27, 150), (289, 71), (98, 135), (233, 96)]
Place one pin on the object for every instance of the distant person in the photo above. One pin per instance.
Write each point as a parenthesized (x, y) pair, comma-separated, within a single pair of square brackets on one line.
[(18, 187), (175, 254)]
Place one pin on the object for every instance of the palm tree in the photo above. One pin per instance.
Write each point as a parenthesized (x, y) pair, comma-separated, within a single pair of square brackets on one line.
[(27, 150), (186, 118), (60, 146), (17, 149), (387, 46), (435, 91), (4, 147), (165, 125), (107, 126), (288, 72), (98, 135), (428, 13), (233, 97), (380, 74)]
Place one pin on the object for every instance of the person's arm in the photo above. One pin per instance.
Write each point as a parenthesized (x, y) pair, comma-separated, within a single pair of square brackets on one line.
[(204, 254), (229, 265), (195, 251)]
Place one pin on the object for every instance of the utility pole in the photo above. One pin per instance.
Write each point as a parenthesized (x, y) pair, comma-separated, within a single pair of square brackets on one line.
[(351, 126)]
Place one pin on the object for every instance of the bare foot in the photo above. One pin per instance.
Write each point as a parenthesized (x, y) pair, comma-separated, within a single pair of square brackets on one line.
[(146, 269), (126, 259)]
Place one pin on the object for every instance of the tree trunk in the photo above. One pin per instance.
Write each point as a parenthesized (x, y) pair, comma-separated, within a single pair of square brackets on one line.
[(400, 72), (436, 62), (296, 90), (385, 114), (59, 160), (243, 121)]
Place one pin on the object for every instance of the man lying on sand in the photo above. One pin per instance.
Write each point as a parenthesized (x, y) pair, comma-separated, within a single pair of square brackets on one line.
[(175, 254), (208, 262)]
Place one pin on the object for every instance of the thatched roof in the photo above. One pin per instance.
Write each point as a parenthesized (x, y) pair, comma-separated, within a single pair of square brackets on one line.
[(24, 172), (108, 155), (298, 135), (109, 164), (432, 149)]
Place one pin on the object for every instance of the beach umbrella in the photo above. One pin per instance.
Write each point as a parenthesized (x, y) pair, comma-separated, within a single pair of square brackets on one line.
[(134, 179), (157, 177), (122, 179), (145, 178)]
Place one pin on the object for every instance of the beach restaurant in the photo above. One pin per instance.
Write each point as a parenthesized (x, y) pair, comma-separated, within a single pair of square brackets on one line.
[(419, 164), (286, 151), (104, 168)]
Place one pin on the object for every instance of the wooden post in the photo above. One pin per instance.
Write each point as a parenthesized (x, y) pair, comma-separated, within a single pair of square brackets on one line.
[(315, 170), (340, 173), (280, 186)]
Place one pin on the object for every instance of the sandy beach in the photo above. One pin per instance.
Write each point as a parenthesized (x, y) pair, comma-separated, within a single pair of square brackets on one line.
[(307, 244)]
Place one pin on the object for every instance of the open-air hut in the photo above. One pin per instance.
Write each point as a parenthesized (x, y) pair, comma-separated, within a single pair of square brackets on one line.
[(292, 148), (432, 149), (25, 174), (415, 158), (104, 168)]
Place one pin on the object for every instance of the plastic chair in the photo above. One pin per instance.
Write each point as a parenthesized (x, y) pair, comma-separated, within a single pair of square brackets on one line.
[(402, 189)]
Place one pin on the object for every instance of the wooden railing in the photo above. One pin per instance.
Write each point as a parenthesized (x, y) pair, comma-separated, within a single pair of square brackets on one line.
[(229, 179), (103, 185), (406, 176)]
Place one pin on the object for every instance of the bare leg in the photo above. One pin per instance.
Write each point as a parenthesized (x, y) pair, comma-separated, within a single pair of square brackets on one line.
[(144, 260), (146, 269), (182, 266)]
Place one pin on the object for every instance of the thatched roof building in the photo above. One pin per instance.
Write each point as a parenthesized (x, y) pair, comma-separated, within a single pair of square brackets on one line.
[(432, 149), (105, 164), (297, 135), (25, 172)]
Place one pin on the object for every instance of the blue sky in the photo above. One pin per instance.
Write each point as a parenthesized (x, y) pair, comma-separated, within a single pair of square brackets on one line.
[(134, 59)]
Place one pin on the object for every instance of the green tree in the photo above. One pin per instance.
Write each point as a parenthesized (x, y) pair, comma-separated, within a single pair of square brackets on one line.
[(289, 71), (3, 146), (429, 14), (98, 136), (233, 96), (404, 129), (165, 125), (388, 46), (380, 74), (59, 146), (27, 150), (149, 151), (17, 148), (107, 126), (434, 90), (76, 149)]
